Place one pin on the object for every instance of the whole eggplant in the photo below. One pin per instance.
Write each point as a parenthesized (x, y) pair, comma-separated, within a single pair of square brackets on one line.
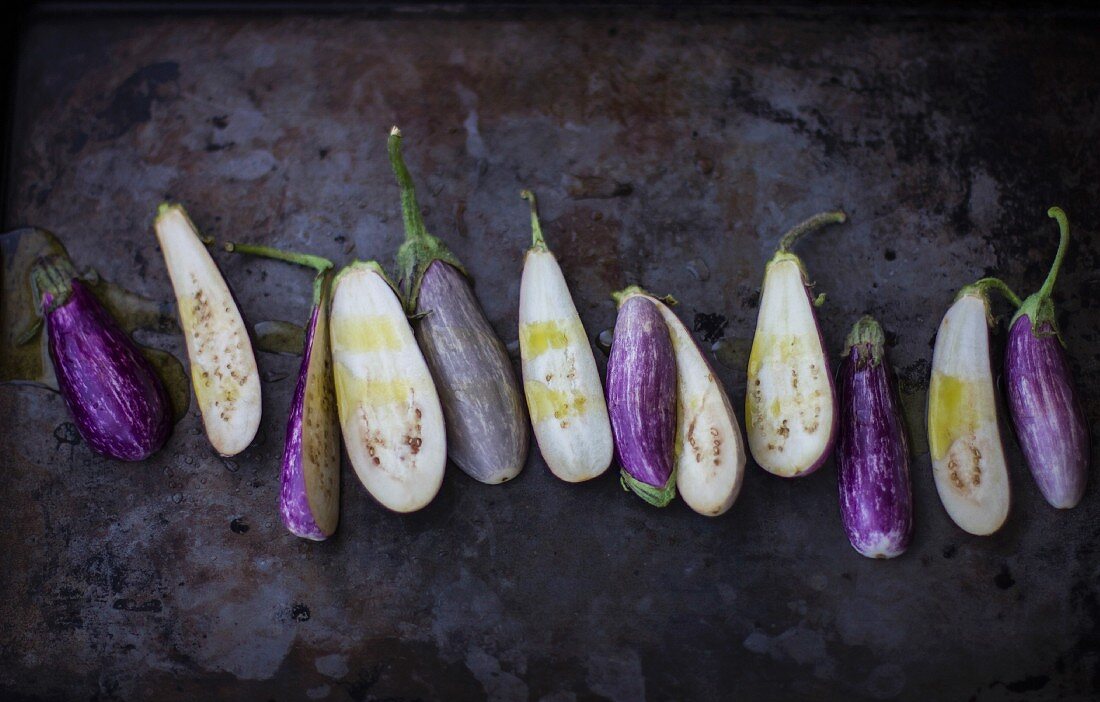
[(1042, 397), (482, 404), (876, 500), (117, 401), (641, 399)]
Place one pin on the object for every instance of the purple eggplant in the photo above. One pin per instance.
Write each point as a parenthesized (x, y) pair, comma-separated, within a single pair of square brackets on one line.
[(115, 397), (876, 500), (641, 398), (1042, 397), (309, 494), (482, 404)]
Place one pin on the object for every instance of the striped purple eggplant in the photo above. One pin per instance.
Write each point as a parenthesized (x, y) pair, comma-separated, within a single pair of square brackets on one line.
[(876, 500), (117, 401), (1049, 420), (309, 493), (482, 404), (641, 398)]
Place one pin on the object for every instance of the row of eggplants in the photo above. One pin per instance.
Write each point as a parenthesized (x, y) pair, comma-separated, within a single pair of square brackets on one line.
[(406, 395)]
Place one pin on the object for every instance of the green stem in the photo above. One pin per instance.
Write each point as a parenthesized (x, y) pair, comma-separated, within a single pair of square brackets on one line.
[(985, 284), (537, 240), (1063, 242), (317, 263), (53, 275), (410, 210), (809, 225)]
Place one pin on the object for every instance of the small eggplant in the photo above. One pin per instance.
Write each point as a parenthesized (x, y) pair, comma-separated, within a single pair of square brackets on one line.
[(560, 378), (876, 500), (482, 403), (309, 493), (964, 436), (1042, 397), (389, 410), (790, 407), (641, 398), (117, 401), (223, 366)]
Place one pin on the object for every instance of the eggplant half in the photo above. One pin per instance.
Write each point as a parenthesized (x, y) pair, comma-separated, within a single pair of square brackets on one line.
[(641, 399), (117, 401), (389, 410), (964, 436), (876, 498), (309, 484), (560, 378), (790, 406), (1042, 397), (223, 365), (482, 403)]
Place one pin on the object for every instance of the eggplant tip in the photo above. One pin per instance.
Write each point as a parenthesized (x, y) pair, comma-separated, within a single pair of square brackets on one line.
[(395, 132), (165, 207)]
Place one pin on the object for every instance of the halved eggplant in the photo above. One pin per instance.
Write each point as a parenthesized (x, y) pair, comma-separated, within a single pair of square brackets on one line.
[(560, 378), (223, 365), (389, 410)]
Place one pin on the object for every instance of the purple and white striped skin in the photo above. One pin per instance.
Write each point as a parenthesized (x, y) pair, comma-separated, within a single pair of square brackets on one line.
[(876, 499), (117, 401), (641, 399), (1046, 411)]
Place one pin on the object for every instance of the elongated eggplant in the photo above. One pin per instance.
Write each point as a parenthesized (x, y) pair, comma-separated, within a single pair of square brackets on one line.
[(876, 499), (309, 493), (790, 407), (560, 378), (641, 399), (117, 401), (486, 420), (223, 366), (1042, 396), (964, 435), (389, 410)]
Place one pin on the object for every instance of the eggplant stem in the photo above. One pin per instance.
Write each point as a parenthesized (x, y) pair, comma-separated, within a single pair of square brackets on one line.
[(997, 284), (805, 227), (410, 210), (53, 276), (537, 240), (1056, 213), (317, 263)]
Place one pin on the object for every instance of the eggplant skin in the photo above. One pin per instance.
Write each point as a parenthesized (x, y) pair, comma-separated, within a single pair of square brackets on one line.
[(1046, 411), (117, 401), (876, 500), (641, 397), (486, 416)]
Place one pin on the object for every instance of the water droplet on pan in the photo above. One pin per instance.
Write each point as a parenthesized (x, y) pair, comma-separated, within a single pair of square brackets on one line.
[(604, 340), (698, 269)]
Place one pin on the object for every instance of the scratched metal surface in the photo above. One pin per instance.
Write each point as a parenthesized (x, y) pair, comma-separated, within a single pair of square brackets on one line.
[(668, 152)]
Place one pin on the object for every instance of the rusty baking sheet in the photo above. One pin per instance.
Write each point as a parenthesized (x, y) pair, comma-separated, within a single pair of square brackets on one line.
[(666, 150)]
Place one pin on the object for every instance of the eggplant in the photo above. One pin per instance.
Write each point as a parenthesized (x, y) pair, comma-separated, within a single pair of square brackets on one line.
[(223, 365), (876, 498), (560, 378), (964, 436), (117, 401), (1042, 397), (482, 403), (309, 483), (790, 406), (389, 410), (641, 398)]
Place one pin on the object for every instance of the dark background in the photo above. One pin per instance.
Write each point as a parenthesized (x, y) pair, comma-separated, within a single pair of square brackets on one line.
[(669, 148)]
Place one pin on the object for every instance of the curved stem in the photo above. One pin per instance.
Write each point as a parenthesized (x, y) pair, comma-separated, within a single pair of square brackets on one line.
[(410, 210), (816, 222), (317, 263), (537, 240), (997, 284), (1063, 242)]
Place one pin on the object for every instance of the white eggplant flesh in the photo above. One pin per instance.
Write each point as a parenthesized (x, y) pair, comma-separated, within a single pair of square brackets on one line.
[(790, 406), (710, 453), (389, 410), (964, 437), (223, 365), (560, 379)]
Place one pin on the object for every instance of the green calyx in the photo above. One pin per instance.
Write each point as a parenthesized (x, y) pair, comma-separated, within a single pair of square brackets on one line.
[(868, 339), (538, 243), (1039, 307), (420, 249), (318, 263), (656, 496), (621, 296), (52, 275)]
